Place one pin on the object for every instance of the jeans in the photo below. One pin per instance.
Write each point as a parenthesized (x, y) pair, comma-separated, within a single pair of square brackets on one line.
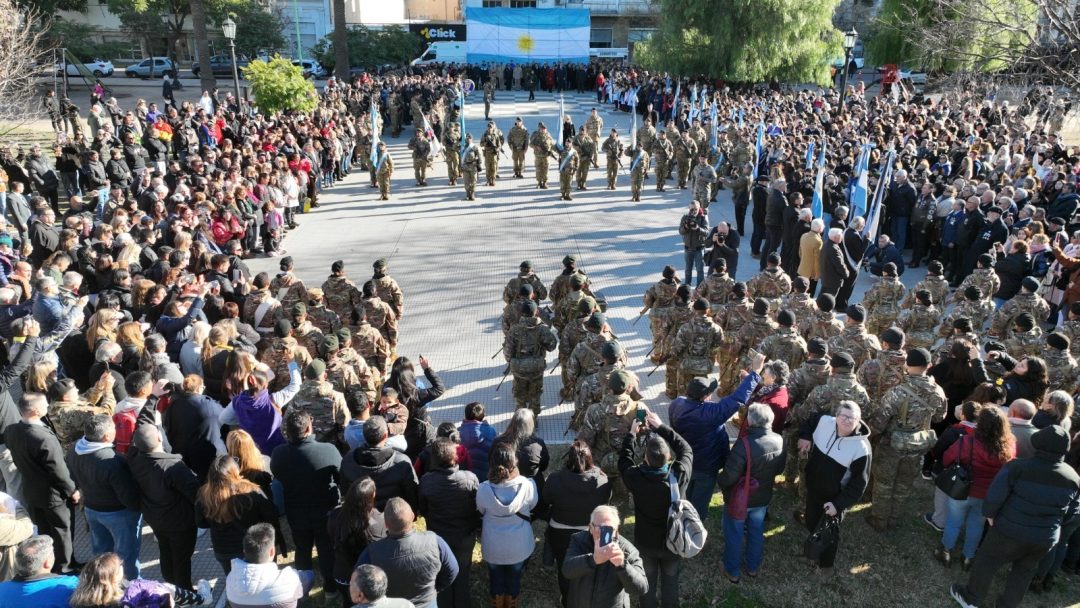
[(117, 531), (898, 226), (694, 259), (700, 491), (317, 536), (753, 527), (661, 570), (999, 550), (506, 578), (968, 515)]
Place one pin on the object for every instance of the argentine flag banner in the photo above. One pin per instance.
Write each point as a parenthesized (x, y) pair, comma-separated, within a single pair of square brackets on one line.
[(527, 34)]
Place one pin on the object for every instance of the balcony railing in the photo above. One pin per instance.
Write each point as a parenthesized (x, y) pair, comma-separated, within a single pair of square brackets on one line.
[(613, 7)]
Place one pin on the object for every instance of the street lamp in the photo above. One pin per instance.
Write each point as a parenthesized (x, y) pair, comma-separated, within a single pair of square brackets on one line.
[(849, 44), (228, 27)]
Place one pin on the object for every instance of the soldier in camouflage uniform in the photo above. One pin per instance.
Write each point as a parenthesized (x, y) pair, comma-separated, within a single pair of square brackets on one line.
[(814, 372), (1028, 300), (339, 374), (854, 340), (594, 387), (421, 151), (470, 167), (543, 146), (662, 151), (518, 138), (452, 150), (320, 316), (606, 425), (717, 286), (341, 294), (491, 142), (639, 170), (397, 114), (593, 125), (695, 343), (704, 181), (821, 322), (970, 305), (525, 276), (798, 302), (567, 307), (678, 315), (524, 349), (387, 288), (752, 334), (731, 317), (785, 344), (316, 396), (886, 369), (902, 419), (961, 330), (613, 151), (585, 146), (658, 299), (307, 335), (882, 300), (70, 411), (982, 277), (261, 310), (770, 284), (1071, 328), (281, 349), (572, 333), (512, 310), (685, 153), (933, 282), (585, 358), (699, 135), (384, 170), (561, 285), (370, 343), (1060, 364), (380, 315), (370, 377), (646, 136), (285, 287), (1026, 339), (919, 321), (568, 164)]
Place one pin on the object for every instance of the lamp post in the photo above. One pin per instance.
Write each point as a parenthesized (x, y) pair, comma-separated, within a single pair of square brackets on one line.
[(228, 27), (849, 44)]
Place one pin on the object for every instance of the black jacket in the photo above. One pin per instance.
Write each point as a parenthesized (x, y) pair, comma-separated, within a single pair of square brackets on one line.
[(40, 460), (448, 503), (45, 240), (726, 249), (759, 195), (571, 497), (252, 508), (834, 269), (104, 479), (169, 490), (191, 424), (1012, 269), (970, 227), (767, 458), (652, 494), (902, 198), (391, 471), (10, 377), (774, 208), (855, 247), (309, 473)]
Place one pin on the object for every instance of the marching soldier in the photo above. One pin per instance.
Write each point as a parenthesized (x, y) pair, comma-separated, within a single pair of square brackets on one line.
[(982, 277), (883, 300), (970, 305), (822, 323), (564, 312), (525, 349), (518, 138), (639, 170), (594, 387), (489, 96), (370, 376), (658, 299), (593, 125), (752, 334), (380, 315), (525, 276), (607, 424), (543, 146), (341, 375), (561, 285), (320, 316), (421, 150), (731, 316), (694, 344), (512, 310), (397, 112), (646, 135), (470, 167), (568, 164), (571, 334), (934, 282), (902, 419), (369, 342), (685, 153), (492, 142), (678, 315), (703, 178), (854, 340), (785, 344), (613, 150), (286, 287), (770, 284), (452, 151), (798, 302), (716, 288), (813, 372), (1026, 338), (387, 288), (307, 335), (886, 369), (384, 169), (1060, 364), (585, 358), (698, 134), (585, 146), (662, 151), (1028, 300), (329, 415), (919, 321)]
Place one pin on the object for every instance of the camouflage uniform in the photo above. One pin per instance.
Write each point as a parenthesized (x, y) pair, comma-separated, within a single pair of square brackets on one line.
[(585, 359), (397, 114), (808, 376), (288, 289), (370, 377), (856, 342), (329, 415), (421, 150), (881, 373), (751, 335), (693, 347), (384, 169), (452, 150), (68, 419), (518, 138), (524, 349), (372, 346), (978, 311), (1062, 369), (935, 284), (662, 151), (253, 303), (685, 153), (491, 142), (799, 304), (882, 303), (543, 149), (903, 421), (382, 318), (786, 345), (639, 170), (679, 315), (341, 296), (646, 136), (918, 324), (308, 337), (613, 150), (943, 351), (984, 278), (1022, 302), (593, 125), (277, 355), (572, 333), (704, 179), (1023, 344), (586, 150), (568, 164), (716, 288), (1071, 329), (658, 299), (731, 317), (606, 425), (388, 291), (561, 286), (323, 318), (771, 284), (820, 324), (470, 169), (594, 387)]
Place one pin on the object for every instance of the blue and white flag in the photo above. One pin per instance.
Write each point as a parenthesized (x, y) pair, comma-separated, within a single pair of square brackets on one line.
[(715, 124), (860, 183), (374, 131), (562, 114), (675, 106), (719, 161), (693, 103), (740, 117), (510, 35), (873, 220), (461, 116), (817, 206), (633, 119), (809, 156), (759, 150)]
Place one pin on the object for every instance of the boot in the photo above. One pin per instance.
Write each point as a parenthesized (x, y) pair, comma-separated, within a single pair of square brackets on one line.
[(966, 566), (511, 601), (942, 555), (498, 601)]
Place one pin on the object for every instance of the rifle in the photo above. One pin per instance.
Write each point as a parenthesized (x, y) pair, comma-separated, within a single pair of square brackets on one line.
[(640, 314), (558, 362), (506, 372), (663, 360), (497, 352), (646, 354)]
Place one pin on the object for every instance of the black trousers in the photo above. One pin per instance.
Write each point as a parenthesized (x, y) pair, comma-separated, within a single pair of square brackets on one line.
[(742, 202), (55, 522), (774, 235), (457, 594), (846, 288), (815, 511), (176, 548), (920, 239), (996, 551), (559, 540), (314, 536)]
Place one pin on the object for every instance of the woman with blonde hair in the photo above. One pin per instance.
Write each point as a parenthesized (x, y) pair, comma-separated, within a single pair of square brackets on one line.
[(255, 409), (130, 338), (215, 354), (40, 376), (254, 466), (191, 361), (102, 327), (101, 583), (228, 505)]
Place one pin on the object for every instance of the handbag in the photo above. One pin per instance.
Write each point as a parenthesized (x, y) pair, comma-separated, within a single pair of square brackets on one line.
[(738, 502), (824, 538), (955, 481)]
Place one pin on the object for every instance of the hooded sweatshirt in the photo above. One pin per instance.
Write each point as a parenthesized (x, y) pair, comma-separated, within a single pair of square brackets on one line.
[(258, 416), (507, 535), (391, 471), (838, 468), (103, 477), (262, 585)]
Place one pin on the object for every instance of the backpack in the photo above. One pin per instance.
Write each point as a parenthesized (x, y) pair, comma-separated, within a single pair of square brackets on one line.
[(125, 422), (686, 535)]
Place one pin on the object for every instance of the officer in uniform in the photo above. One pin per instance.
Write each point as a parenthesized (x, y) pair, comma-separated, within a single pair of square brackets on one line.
[(543, 146), (1060, 364), (568, 165), (341, 375), (525, 276), (397, 112), (731, 317), (561, 285), (613, 150), (585, 146), (822, 323), (518, 138), (320, 316), (489, 96), (572, 333), (902, 419), (421, 150), (919, 321), (606, 425), (370, 376), (492, 142), (662, 151), (685, 153), (886, 369), (639, 169), (694, 344), (771, 283), (883, 300), (369, 342), (384, 169), (740, 194), (380, 315), (854, 340), (752, 334), (512, 310), (785, 344), (934, 282), (813, 372), (387, 288), (524, 348), (1028, 300), (564, 311), (593, 125), (585, 358), (678, 315), (452, 150), (703, 178), (646, 135), (307, 335), (717, 286), (798, 302), (470, 167), (658, 298), (316, 396)]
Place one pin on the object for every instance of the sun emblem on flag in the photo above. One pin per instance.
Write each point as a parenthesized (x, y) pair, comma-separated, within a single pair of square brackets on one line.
[(525, 43)]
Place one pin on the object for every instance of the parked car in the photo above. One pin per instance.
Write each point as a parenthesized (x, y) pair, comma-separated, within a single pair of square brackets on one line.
[(97, 67), (150, 68), (220, 65), (312, 68)]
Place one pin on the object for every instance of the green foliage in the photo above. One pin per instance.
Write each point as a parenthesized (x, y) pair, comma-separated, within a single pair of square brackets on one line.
[(257, 29), (370, 48), (78, 39), (278, 85), (47, 8), (744, 40), (889, 40), (146, 19)]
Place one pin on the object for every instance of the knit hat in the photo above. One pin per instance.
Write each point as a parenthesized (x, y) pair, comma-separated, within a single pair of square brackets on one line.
[(337, 267), (619, 381), (817, 346), (888, 270), (786, 318), (299, 309), (893, 335), (739, 291), (935, 268), (826, 302), (924, 297), (761, 307), (1052, 439), (343, 334), (669, 272), (282, 328), (525, 290), (842, 360)]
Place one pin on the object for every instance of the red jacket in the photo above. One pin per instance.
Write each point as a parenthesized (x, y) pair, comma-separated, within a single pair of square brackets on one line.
[(776, 400), (984, 465)]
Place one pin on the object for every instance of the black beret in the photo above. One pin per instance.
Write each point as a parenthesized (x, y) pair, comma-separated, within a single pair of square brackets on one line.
[(962, 323), (528, 308), (337, 266), (893, 335), (1030, 283), (800, 284), (924, 296), (1024, 320), (669, 272), (774, 259), (826, 302), (993, 345), (525, 289), (973, 293), (986, 260), (842, 360), (761, 307), (282, 328), (701, 304), (786, 318), (856, 313), (1057, 220), (918, 357), (1058, 340), (889, 269), (739, 289), (817, 346), (935, 267)]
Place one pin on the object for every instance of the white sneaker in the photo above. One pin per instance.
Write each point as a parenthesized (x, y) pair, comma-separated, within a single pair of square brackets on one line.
[(206, 591)]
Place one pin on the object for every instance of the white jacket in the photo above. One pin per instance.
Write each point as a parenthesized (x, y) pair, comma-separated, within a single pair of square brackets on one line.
[(262, 586)]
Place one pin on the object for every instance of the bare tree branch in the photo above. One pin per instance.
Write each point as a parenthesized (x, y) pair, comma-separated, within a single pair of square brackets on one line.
[(20, 66)]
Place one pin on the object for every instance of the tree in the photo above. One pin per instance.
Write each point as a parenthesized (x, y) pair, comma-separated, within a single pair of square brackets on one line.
[(741, 41), (341, 42), (278, 85), (46, 9), (152, 20), (257, 29), (78, 39), (202, 45), (371, 48), (19, 70)]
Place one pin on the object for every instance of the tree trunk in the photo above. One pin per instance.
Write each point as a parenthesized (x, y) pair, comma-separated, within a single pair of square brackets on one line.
[(202, 46), (341, 42)]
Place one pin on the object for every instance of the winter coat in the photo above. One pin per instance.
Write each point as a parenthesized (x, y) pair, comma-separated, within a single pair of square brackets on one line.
[(103, 477), (603, 586), (507, 535), (838, 468), (191, 424), (571, 497), (767, 458), (982, 465), (309, 474), (1012, 269), (701, 424), (391, 471), (810, 246), (169, 490), (447, 498), (650, 489), (477, 437), (262, 585)]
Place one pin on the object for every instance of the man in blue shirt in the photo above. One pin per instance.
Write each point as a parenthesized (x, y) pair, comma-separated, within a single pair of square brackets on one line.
[(34, 583)]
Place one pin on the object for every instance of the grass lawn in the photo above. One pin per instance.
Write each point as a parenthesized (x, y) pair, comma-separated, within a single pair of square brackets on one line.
[(872, 569)]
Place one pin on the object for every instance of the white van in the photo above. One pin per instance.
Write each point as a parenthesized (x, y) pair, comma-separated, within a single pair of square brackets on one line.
[(442, 52)]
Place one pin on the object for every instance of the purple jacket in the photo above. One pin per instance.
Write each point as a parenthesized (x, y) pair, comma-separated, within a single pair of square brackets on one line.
[(259, 417)]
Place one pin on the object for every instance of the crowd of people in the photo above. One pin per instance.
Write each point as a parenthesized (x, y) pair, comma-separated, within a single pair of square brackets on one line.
[(150, 378)]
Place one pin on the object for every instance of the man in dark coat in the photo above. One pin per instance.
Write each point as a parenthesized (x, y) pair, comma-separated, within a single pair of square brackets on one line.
[(882, 252), (834, 270), (854, 247), (725, 246), (774, 219), (966, 234), (900, 202), (795, 225), (759, 196)]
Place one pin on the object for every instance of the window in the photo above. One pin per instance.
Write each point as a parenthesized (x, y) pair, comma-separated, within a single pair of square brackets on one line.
[(600, 38), (639, 35), (492, 4), (522, 3)]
